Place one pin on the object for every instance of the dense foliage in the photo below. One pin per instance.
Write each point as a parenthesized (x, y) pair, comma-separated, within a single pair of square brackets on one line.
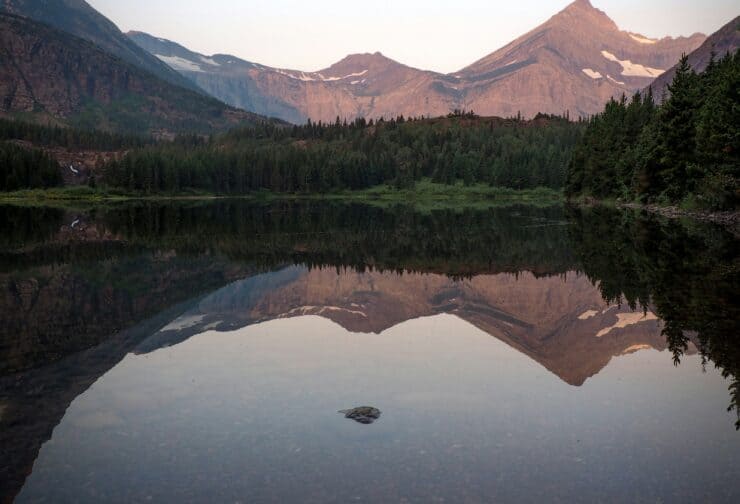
[(22, 168), (70, 138), (687, 149), (318, 157)]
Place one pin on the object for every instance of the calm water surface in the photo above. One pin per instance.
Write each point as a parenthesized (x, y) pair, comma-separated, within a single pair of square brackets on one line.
[(202, 353)]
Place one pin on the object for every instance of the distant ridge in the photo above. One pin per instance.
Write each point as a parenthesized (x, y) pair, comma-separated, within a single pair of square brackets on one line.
[(574, 62)]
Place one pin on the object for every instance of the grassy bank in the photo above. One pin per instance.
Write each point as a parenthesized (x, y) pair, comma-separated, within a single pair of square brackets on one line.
[(425, 193)]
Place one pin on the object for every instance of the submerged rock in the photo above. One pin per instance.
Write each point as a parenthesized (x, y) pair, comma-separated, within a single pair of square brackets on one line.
[(363, 414)]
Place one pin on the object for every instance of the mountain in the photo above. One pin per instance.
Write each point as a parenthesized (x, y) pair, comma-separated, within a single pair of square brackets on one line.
[(360, 85), (226, 77), (574, 62), (51, 75), (79, 19), (726, 39)]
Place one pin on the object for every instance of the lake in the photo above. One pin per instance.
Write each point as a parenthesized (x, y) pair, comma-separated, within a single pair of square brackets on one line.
[(216, 352)]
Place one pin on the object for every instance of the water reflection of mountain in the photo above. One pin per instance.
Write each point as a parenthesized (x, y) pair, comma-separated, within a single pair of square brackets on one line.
[(79, 290), (562, 322), (68, 280)]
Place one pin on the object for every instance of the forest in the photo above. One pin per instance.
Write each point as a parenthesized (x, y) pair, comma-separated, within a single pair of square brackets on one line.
[(68, 138), (316, 157), (24, 168), (684, 151)]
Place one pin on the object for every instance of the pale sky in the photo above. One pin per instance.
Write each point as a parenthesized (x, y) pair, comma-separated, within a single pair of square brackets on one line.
[(441, 35)]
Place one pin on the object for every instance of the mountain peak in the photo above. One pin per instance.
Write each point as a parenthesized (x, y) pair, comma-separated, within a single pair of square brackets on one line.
[(370, 62), (584, 11)]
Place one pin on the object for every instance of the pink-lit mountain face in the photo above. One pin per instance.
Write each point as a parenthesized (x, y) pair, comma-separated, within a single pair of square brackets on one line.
[(574, 62)]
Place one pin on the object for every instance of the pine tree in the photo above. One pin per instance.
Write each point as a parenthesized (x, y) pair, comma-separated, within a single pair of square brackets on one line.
[(676, 125)]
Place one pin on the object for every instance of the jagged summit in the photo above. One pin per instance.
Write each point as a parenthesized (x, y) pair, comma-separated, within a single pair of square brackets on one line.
[(583, 11)]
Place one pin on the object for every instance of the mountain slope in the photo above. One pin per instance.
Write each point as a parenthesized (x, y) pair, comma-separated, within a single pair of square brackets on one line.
[(48, 74), (368, 85), (227, 77), (726, 39), (575, 61), (79, 19)]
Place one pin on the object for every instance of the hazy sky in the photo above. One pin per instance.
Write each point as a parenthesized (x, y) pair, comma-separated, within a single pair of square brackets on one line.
[(442, 35)]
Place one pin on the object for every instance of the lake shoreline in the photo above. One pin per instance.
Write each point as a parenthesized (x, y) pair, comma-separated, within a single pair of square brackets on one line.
[(424, 193), (729, 219)]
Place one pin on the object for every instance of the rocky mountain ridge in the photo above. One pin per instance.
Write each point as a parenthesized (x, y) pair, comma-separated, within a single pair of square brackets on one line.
[(573, 63)]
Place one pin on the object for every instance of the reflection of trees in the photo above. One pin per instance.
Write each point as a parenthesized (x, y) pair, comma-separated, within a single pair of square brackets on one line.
[(458, 243), (78, 288), (688, 274), (24, 225)]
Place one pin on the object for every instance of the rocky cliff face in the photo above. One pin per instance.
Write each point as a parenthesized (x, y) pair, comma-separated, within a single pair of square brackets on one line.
[(574, 62), (50, 74)]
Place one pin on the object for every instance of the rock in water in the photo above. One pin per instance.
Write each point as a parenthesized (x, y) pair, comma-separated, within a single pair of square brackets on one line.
[(363, 414)]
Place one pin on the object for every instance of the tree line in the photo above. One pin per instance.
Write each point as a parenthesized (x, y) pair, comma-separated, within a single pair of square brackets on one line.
[(685, 150), (319, 157), (22, 168), (69, 138)]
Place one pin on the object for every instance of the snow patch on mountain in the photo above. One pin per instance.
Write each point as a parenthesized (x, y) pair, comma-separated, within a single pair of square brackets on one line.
[(641, 39), (303, 76), (630, 69), (592, 73), (587, 314), (348, 76), (615, 81), (181, 64), (183, 322), (209, 61), (635, 348), (625, 320)]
